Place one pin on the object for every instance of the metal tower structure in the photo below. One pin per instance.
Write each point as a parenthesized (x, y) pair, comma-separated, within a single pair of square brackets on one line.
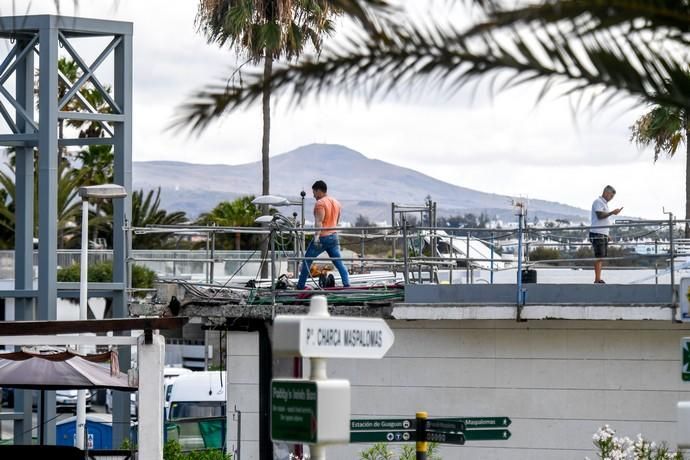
[(29, 121)]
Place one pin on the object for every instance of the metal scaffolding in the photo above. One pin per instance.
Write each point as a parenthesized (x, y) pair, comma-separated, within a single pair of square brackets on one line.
[(44, 36)]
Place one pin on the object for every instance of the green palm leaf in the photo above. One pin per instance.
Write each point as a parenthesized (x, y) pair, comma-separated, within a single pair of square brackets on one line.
[(633, 48)]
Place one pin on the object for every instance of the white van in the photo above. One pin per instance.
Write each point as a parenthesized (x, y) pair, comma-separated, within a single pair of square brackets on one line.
[(170, 374), (198, 394)]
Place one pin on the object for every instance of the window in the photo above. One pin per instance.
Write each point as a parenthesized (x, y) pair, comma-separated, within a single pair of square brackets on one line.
[(187, 409)]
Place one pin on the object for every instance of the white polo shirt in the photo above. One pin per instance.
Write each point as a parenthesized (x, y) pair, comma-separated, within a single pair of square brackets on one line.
[(600, 205)]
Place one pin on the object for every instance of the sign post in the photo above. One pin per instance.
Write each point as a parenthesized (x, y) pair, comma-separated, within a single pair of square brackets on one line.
[(317, 411), (421, 446), (684, 299)]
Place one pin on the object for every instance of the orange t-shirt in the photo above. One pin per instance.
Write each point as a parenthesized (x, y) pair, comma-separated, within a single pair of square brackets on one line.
[(331, 209)]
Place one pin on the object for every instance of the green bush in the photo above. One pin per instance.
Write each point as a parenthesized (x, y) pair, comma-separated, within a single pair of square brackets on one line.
[(173, 451), (543, 253), (102, 272), (380, 451)]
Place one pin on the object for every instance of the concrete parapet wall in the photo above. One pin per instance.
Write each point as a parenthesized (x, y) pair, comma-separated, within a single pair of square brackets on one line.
[(540, 294)]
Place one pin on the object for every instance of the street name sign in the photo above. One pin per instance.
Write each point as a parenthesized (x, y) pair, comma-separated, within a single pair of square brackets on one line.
[(445, 425), (382, 424), (445, 437), (455, 430), (478, 422), (310, 411), (487, 435), (685, 359), (383, 436), (331, 337)]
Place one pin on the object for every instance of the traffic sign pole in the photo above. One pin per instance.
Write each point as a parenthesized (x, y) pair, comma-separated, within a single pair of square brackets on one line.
[(318, 409), (421, 445), (318, 307)]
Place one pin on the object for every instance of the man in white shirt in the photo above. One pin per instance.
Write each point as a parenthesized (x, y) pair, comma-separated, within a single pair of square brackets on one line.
[(599, 230)]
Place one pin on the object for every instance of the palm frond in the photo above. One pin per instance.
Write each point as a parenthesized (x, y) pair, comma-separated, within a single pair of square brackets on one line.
[(447, 59), (589, 16), (663, 128)]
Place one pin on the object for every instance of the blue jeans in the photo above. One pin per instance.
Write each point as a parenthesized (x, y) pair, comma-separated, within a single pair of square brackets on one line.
[(331, 245)]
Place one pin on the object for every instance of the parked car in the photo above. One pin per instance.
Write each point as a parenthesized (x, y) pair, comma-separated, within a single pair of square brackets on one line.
[(63, 398), (68, 399)]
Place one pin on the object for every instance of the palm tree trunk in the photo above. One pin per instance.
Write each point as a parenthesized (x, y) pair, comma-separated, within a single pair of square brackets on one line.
[(238, 241), (265, 141), (265, 170)]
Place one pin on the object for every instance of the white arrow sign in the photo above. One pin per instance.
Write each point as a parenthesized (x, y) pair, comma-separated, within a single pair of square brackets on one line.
[(331, 337)]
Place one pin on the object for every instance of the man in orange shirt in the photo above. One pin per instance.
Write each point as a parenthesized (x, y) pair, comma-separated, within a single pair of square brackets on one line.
[(326, 218)]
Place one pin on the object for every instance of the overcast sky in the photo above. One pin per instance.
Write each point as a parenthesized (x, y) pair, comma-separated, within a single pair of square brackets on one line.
[(504, 145)]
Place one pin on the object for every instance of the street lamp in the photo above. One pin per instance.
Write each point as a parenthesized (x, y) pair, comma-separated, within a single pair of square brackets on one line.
[(277, 201), (272, 200), (104, 191)]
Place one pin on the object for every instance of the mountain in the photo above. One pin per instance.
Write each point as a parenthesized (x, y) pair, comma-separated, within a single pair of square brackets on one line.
[(364, 186)]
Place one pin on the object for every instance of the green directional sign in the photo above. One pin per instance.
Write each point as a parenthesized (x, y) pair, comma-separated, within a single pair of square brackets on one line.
[(382, 424), (382, 436), (479, 422), (487, 435), (293, 411), (455, 430), (445, 425), (445, 437), (685, 359)]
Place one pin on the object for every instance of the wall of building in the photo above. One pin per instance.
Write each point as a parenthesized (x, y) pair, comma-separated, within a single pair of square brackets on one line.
[(557, 380), (243, 392)]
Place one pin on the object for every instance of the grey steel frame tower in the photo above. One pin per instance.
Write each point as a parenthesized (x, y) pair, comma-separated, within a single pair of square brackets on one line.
[(37, 38)]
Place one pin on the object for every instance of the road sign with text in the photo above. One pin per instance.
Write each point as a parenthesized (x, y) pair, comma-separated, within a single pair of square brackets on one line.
[(445, 425), (443, 437), (331, 337), (487, 435), (479, 422), (382, 424), (293, 411), (455, 430), (310, 411)]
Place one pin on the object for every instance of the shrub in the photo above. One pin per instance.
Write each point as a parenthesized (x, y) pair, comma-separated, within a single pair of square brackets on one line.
[(173, 451), (102, 272), (380, 451), (611, 447), (543, 253)]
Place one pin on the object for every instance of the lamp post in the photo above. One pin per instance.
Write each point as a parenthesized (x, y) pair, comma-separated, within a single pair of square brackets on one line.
[(520, 208), (104, 191), (277, 201)]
